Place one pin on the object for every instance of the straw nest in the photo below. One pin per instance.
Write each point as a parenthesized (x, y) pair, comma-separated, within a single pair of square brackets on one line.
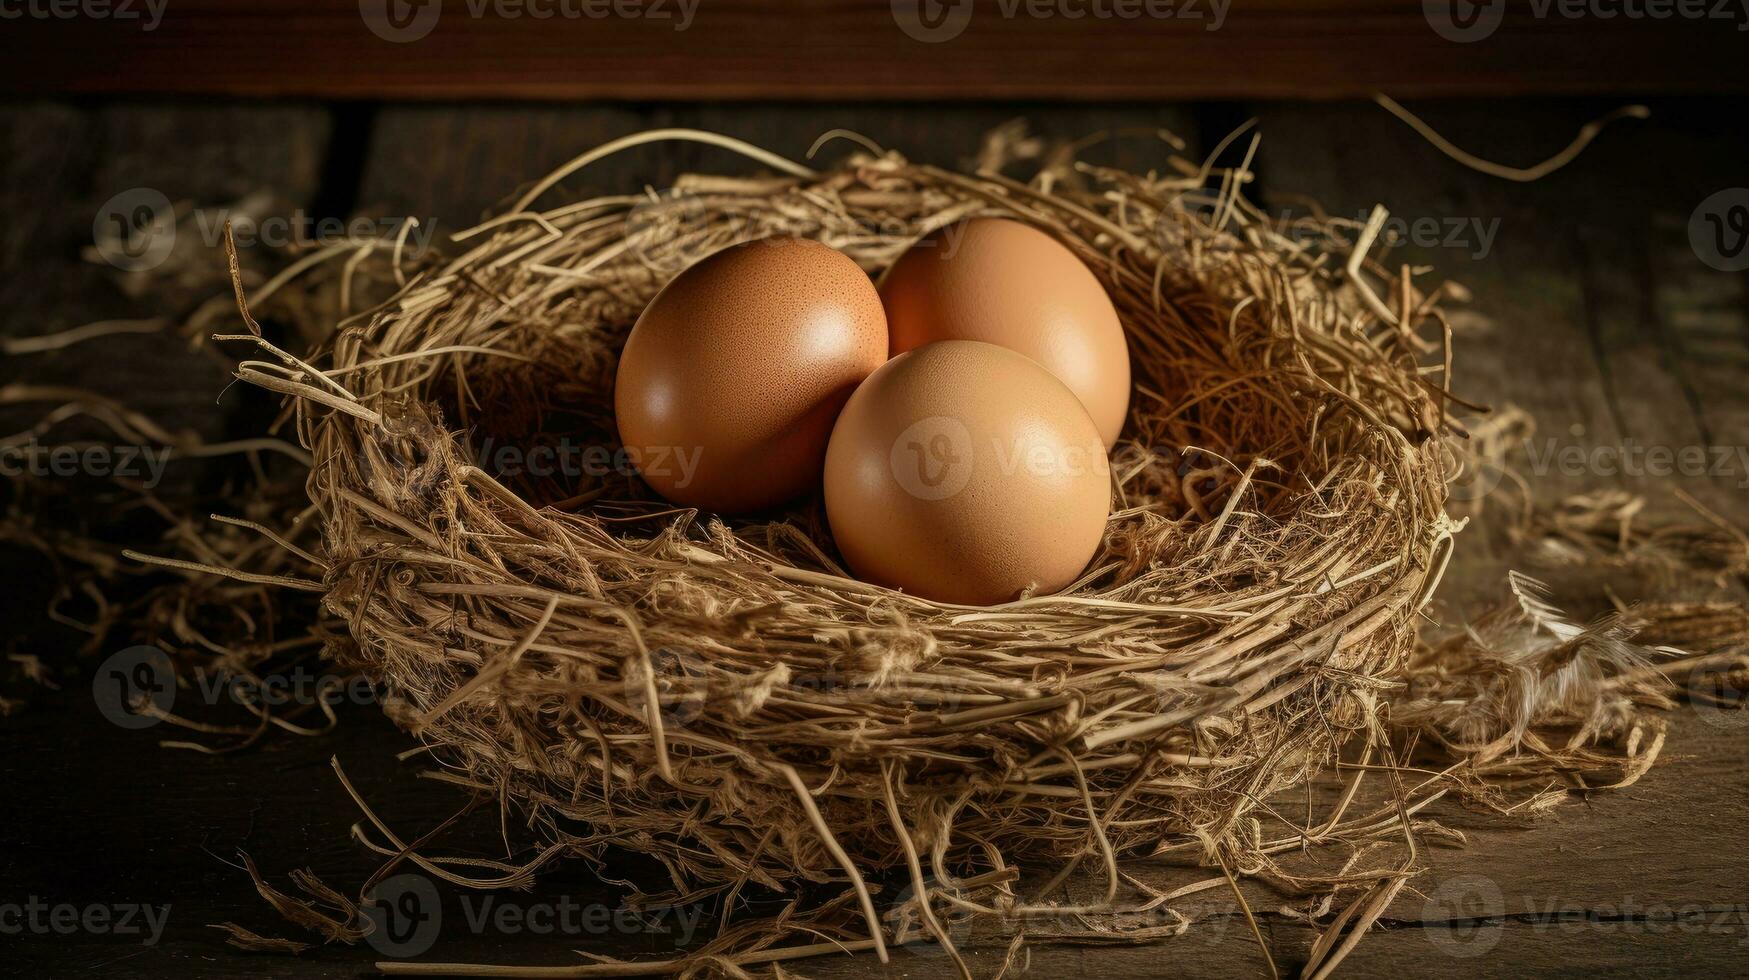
[(723, 696)]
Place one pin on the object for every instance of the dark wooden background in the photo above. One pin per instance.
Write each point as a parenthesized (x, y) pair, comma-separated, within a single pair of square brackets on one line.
[(1591, 310), (858, 49)]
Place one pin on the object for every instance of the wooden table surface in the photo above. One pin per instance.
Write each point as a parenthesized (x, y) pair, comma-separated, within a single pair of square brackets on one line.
[(1592, 309)]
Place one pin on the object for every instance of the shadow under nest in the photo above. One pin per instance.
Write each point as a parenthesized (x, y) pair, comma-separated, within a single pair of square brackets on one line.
[(724, 698)]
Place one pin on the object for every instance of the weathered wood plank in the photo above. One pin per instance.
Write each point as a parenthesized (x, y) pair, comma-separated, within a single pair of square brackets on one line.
[(67, 170), (1580, 280), (1658, 866), (850, 50), (456, 163), (70, 169), (1591, 310)]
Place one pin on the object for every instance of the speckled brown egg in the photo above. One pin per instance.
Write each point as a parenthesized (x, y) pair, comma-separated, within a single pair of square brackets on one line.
[(1007, 283), (965, 472), (731, 379)]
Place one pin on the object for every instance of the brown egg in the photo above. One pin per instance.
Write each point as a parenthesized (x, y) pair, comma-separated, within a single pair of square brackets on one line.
[(1008, 283), (731, 379), (965, 472)]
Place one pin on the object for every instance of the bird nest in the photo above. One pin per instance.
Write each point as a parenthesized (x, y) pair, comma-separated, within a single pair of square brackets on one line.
[(724, 696)]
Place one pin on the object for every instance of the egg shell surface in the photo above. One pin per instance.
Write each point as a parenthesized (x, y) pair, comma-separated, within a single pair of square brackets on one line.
[(965, 472), (1008, 283), (732, 378)]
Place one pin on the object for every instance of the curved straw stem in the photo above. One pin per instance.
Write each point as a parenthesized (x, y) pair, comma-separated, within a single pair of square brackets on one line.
[(657, 136)]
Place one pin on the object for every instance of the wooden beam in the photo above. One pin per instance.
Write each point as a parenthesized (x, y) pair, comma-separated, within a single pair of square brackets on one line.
[(862, 49)]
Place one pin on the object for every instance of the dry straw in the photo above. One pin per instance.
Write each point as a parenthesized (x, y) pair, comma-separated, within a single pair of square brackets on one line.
[(723, 697)]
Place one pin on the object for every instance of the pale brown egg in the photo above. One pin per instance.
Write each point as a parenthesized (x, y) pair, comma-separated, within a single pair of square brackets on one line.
[(965, 472), (733, 376), (1010, 284)]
